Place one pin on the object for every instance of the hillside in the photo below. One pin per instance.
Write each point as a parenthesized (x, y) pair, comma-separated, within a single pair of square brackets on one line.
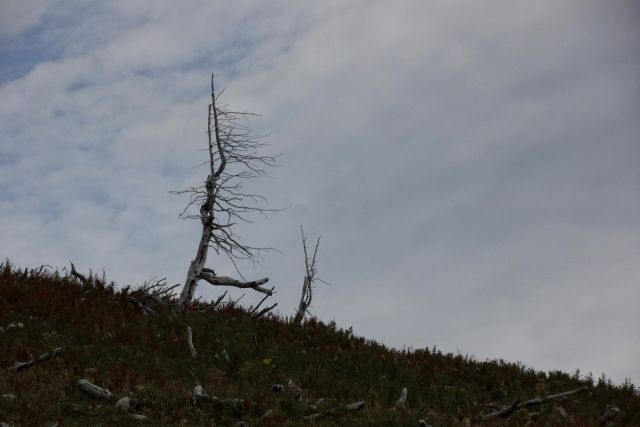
[(263, 371)]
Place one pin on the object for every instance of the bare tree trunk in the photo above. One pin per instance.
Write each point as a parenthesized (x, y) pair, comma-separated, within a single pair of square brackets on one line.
[(309, 277), (230, 142)]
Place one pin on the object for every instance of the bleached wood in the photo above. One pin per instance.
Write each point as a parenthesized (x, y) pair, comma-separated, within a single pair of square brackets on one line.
[(200, 395), (222, 201), (309, 277), (79, 276), (124, 403), (609, 414), (21, 366), (192, 349), (356, 406), (352, 407), (93, 390), (214, 280), (516, 405), (402, 400), (139, 417)]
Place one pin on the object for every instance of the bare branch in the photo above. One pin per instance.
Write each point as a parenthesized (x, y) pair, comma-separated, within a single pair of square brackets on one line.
[(192, 349), (79, 276), (309, 278), (516, 405), (228, 281), (264, 311), (93, 390)]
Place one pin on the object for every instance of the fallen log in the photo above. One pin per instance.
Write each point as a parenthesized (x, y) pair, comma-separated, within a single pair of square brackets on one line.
[(21, 366), (516, 405), (340, 410), (93, 390)]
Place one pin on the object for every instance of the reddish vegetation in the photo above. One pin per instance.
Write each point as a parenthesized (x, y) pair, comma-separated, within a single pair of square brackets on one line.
[(109, 341)]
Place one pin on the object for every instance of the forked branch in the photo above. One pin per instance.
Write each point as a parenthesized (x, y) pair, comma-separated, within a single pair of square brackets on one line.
[(309, 278)]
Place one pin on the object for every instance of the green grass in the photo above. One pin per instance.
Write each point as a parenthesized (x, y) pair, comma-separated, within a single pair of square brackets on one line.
[(113, 344)]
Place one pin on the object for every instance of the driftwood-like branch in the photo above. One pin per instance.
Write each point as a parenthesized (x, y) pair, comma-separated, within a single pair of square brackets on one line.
[(516, 405), (192, 349), (21, 366), (352, 407), (214, 280), (402, 400), (79, 276), (609, 414), (504, 412), (200, 395), (552, 397), (93, 390)]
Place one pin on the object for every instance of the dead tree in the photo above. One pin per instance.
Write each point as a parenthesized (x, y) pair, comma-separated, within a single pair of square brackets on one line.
[(309, 278), (233, 158)]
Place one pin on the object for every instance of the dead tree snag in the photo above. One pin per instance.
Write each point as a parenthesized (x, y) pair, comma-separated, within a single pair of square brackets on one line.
[(233, 158)]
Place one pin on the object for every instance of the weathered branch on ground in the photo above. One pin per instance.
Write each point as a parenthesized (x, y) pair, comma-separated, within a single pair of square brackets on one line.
[(200, 395), (609, 415), (192, 349), (93, 390), (516, 405), (21, 366), (402, 400), (340, 410), (552, 397)]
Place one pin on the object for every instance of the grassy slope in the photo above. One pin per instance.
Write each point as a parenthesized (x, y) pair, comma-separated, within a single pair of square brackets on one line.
[(110, 342)]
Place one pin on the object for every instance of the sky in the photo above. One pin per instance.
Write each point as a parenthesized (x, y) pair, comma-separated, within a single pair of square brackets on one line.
[(472, 167)]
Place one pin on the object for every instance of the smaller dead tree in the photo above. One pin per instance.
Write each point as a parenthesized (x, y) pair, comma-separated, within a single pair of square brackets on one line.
[(309, 278)]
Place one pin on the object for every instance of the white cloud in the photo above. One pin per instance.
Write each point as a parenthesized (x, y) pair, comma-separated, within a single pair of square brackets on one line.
[(18, 16)]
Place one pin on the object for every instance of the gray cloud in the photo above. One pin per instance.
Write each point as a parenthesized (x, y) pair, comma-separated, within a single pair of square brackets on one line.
[(473, 170)]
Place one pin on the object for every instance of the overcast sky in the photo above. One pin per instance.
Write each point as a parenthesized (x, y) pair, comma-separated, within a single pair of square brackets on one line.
[(472, 167)]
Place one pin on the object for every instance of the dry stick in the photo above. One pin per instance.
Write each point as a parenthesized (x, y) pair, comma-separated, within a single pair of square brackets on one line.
[(506, 412), (264, 310), (254, 309), (21, 366), (79, 276), (192, 349), (93, 390), (352, 407), (551, 397), (219, 300), (402, 400), (309, 277), (609, 414)]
